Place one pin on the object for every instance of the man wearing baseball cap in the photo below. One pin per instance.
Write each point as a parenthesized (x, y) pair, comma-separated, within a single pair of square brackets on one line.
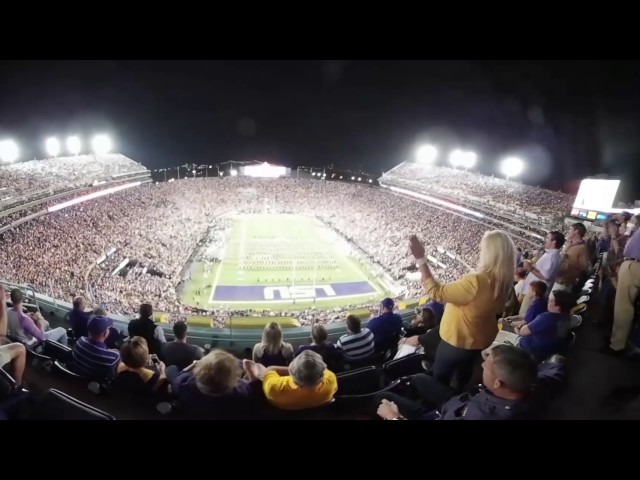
[(91, 357), (386, 327)]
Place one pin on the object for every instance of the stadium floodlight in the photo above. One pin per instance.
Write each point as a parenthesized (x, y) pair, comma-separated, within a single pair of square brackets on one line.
[(353, 178), (234, 173), (426, 154), (456, 158), (52, 145), (359, 179), (340, 177), (512, 167), (101, 144), (469, 160), (74, 145), (313, 174), (370, 181), (9, 151)]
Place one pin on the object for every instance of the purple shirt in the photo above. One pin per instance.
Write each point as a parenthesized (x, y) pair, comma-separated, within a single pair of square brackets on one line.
[(28, 325), (537, 307), (632, 250)]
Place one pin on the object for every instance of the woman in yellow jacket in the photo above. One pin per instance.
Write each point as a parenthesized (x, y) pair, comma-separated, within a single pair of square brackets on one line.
[(473, 304)]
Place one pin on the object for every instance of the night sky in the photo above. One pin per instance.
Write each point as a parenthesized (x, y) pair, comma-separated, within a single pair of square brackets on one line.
[(569, 119)]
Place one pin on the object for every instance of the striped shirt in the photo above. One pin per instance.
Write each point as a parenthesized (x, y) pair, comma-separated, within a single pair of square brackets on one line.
[(357, 345), (93, 359)]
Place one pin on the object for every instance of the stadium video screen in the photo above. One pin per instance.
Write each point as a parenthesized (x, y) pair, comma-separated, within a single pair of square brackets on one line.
[(595, 194), (264, 170)]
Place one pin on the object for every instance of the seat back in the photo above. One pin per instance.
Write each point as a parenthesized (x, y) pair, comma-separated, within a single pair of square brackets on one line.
[(402, 367), (57, 351), (61, 368), (358, 382), (57, 405)]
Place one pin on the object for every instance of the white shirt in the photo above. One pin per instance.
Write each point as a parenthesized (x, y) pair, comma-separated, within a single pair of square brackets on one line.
[(548, 265)]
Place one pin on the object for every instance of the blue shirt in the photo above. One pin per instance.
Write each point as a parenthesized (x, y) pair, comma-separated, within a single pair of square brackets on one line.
[(92, 359), (537, 307), (79, 320), (549, 332), (386, 330)]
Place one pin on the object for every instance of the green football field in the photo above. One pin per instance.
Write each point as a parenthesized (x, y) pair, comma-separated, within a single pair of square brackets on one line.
[(281, 262)]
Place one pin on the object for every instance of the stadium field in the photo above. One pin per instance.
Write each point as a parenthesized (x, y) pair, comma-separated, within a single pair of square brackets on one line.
[(283, 262)]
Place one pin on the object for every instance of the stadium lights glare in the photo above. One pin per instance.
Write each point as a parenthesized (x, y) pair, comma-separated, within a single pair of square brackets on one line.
[(313, 174), (73, 145), (462, 158), (359, 179), (340, 177), (9, 151), (426, 154), (52, 145), (370, 181), (234, 173), (101, 144), (353, 178), (512, 167)]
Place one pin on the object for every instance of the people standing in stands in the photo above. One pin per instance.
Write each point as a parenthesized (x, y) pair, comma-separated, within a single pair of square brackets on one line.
[(386, 327), (627, 293), (358, 344), (272, 351), (548, 332), (211, 389), (90, 355), (473, 305), (145, 327), (508, 374), (575, 259), (306, 383), (330, 354), (14, 353), (31, 328), (546, 268)]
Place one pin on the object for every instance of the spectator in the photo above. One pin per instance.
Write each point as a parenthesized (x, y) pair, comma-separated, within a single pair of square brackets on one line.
[(33, 328), (327, 350), (14, 353), (546, 268), (538, 305), (548, 332), (139, 371), (508, 373), (473, 304), (575, 260), (358, 344), (90, 355), (272, 351), (306, 383), (212, 389), (78, 318), (627, 294), (145, 327), (179, 352), (386, 327), (424, 321)]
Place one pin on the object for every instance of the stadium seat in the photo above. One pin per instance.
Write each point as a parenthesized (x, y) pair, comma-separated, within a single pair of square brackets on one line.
[(7, 385), (56, 351), (94, 386), (358, 382), (35, 353), (358, 402), (325, 412), (579, 309), (57, 405), (402, 367), (583, 299)]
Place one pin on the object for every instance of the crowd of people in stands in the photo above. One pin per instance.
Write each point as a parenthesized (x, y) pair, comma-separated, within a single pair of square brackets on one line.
[(472, 188), (19, 182), (157, 228)]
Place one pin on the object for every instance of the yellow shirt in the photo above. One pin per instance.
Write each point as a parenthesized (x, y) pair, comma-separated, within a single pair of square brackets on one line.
[(469, 319), (282, 392)]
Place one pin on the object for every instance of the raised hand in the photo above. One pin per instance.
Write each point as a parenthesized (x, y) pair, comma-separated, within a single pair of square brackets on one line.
[(416, 247)]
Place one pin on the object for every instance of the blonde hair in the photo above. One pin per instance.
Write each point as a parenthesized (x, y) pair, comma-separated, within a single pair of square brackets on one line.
[(216, 372), (134, 352), (498, 261), (272, 338)]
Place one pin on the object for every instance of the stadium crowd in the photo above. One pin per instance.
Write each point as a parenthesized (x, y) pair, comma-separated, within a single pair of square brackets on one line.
[(157, 227), (536, 204)]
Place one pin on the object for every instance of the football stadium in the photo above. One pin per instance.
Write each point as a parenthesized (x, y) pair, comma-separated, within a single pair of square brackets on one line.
[(207, 295)]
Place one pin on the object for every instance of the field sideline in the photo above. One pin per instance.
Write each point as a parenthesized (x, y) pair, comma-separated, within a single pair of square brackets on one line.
[(270, 261)]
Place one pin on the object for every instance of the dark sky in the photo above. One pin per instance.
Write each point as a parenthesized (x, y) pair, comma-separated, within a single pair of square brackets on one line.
[(569, 119)]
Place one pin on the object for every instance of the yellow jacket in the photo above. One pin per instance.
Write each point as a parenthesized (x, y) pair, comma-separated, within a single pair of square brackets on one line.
[(469, 320)]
